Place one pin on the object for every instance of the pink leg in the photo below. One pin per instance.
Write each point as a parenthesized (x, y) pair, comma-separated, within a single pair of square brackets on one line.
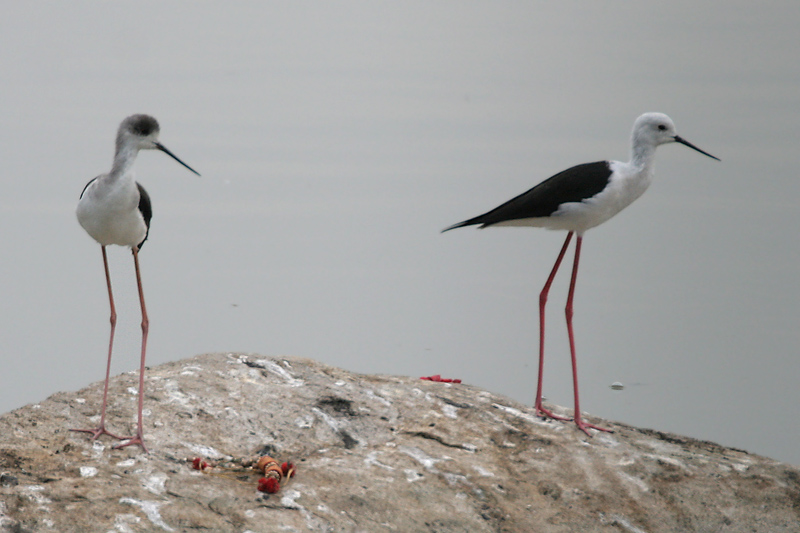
[(101, 429), (584, 426), (540, 410), (139, 438)]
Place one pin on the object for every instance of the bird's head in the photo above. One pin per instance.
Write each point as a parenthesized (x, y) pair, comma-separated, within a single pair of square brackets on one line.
[(141, 133), (655, 129)]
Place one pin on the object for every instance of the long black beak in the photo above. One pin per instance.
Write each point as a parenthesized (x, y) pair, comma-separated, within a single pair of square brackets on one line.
[(677, 140), (175, 157)]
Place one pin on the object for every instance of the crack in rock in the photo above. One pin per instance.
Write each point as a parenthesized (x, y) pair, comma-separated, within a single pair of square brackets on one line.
[(440, 440)]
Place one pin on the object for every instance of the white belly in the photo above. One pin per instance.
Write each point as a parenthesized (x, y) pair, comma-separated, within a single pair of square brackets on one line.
[(112, 216)]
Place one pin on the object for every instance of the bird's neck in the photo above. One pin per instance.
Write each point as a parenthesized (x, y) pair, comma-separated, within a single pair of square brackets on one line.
[(642, 156), (123, 160)]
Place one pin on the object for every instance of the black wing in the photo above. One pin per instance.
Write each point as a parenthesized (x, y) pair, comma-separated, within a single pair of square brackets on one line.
[(87, 186), (572, 185), (146, 209)]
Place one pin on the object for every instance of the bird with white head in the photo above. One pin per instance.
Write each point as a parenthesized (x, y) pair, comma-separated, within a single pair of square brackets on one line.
[(576, 200)]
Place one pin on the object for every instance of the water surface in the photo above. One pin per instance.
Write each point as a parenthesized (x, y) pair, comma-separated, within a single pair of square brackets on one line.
[(336, 141)]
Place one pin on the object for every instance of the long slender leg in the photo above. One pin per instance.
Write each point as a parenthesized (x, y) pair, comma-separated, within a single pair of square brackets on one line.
[(540, 410), (584, 426), (101, 429), (139, 438)]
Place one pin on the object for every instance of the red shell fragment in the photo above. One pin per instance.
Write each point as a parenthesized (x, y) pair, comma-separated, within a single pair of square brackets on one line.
[(199, 464), (287, 469), (269, 485), (439, 379)]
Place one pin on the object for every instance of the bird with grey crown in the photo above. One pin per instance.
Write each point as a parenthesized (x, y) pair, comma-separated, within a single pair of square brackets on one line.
[(115, 209)]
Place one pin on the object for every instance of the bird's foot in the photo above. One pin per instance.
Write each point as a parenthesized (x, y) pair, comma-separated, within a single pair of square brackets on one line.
[(546, 413), (132, 441), (586, 426), (100, 430)]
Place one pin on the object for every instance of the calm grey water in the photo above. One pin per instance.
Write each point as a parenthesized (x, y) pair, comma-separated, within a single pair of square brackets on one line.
[(336, 141)]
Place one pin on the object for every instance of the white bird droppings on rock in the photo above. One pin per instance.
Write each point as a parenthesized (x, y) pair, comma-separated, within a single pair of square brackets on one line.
[(88, 471), (155, 483), (422, 458), (528, 417), (282, 372), (482, 471), (288, 499), (450, 411), (204, 451), (151, 511), (371, 460)]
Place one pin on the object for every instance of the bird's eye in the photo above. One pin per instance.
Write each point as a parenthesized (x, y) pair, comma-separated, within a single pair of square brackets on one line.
[(662, 127)]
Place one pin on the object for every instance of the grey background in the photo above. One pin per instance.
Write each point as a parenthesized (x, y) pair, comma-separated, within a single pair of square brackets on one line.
[(337, 140)]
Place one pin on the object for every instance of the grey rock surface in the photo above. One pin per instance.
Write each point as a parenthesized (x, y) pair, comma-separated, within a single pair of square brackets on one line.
[(373, 453)]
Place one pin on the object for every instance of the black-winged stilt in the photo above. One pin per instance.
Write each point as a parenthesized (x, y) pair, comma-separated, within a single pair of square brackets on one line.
[(577, 200), (115, 209)]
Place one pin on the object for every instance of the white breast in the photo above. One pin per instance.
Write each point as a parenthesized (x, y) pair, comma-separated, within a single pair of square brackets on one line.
[(110, 213), (625, 185)]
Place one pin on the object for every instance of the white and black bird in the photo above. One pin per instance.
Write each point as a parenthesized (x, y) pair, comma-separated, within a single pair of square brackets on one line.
[(114, 209), (577, 200)]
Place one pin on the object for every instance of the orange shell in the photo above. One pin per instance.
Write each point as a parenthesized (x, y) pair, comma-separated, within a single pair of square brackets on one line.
[(269, 467)]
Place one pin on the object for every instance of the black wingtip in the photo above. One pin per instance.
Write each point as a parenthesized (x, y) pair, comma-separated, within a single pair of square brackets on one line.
[(459, 225)]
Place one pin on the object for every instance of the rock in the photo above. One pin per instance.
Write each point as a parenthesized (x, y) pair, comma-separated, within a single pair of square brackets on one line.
[(373, 453)]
